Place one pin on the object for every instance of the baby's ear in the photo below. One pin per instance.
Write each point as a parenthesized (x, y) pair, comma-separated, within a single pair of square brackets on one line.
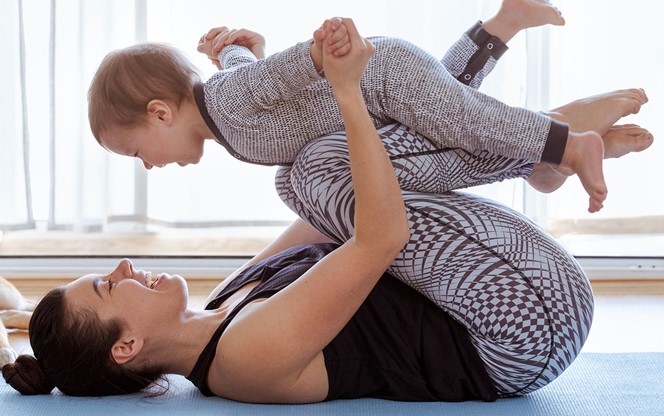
[(160, 110)]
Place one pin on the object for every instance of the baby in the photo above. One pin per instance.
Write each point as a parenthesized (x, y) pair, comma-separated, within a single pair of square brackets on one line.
[(147, 101)]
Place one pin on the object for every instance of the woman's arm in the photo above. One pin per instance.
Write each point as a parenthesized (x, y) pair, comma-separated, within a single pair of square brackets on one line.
[(271, 343)]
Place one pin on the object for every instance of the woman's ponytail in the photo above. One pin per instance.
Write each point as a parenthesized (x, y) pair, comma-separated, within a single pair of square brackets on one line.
[(27, 376)]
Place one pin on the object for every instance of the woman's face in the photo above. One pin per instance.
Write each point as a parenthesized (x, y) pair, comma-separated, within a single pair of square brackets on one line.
[(127, 294)]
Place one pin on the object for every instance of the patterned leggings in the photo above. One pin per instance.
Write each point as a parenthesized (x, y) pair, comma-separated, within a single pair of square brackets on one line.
[(525, 301)]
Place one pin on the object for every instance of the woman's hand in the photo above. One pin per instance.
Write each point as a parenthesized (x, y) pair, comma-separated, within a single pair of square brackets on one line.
[(217, 38), (336, 34), (346, 71)]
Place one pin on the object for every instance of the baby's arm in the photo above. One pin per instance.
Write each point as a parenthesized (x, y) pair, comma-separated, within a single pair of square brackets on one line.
[(266, 82), (218, 38)]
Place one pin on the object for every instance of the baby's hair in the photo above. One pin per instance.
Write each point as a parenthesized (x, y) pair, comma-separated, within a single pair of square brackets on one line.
[(128, 79)]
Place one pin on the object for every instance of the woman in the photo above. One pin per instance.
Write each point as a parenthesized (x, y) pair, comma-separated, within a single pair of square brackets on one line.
[(320, 321)]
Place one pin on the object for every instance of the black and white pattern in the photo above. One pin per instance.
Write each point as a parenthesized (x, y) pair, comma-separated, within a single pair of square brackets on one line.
[(525, 301)]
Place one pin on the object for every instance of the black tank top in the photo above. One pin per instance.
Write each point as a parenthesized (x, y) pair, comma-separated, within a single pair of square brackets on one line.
[(398, 346)]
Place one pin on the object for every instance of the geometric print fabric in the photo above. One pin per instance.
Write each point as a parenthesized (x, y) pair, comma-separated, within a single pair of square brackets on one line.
[(525, 301)]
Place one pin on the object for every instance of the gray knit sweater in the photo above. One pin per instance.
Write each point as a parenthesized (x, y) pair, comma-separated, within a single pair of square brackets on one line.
[(265, 111)]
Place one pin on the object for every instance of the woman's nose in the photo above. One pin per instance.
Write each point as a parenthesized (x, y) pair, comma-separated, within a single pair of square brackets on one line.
[(125, 269)]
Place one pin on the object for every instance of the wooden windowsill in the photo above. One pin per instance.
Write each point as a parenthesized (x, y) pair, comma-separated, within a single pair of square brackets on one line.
[(57, 243)]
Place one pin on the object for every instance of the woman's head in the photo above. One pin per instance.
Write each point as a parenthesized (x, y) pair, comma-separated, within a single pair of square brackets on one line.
[(130, 85), (91, 337)]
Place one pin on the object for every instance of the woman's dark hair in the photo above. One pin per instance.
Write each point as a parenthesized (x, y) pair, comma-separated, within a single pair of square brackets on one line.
[(72, 351)]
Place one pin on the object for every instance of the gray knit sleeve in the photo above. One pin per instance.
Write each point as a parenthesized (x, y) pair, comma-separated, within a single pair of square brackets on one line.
[(233, 56), (250, 86)]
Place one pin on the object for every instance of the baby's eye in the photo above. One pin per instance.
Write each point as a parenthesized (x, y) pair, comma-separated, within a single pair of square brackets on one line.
[(111, 284)]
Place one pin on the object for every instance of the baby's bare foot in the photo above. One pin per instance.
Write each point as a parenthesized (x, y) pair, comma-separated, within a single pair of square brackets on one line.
[(524, 14), (618, 141), (628, 138), (583, 155), (517, 15), (600, 112)]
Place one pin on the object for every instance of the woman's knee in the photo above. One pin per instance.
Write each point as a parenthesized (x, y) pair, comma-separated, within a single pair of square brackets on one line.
[(320, 175)]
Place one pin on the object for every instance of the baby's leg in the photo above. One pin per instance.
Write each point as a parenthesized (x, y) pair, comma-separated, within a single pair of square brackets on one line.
[(406, 84), (584, 152), (476, 53), (618, 141), (525, 301)]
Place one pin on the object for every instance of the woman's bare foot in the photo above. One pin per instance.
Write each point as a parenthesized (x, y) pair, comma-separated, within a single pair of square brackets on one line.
[(517, 15), (600, 112), (618, 141), (545, 178), (628, 138)]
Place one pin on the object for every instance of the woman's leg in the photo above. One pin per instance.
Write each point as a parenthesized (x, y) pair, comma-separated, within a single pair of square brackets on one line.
[(525, 301), (419, 166)]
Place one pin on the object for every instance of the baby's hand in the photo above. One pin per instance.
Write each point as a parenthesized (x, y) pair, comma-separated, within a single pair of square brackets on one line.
[(217, 38)]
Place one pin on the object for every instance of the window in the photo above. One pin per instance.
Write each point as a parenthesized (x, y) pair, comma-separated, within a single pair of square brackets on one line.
[(58, 179), (602, 49)]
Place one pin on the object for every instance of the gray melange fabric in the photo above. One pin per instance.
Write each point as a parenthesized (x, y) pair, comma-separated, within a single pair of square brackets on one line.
[(267, 110)]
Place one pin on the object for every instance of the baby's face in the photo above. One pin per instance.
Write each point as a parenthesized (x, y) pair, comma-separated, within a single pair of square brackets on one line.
[(156, 145)]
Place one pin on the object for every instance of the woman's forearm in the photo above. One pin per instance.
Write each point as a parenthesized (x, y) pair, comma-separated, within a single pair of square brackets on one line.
[(380, 216)]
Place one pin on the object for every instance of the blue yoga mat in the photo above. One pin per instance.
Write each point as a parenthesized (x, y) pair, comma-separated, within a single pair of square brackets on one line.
[(595, 384)]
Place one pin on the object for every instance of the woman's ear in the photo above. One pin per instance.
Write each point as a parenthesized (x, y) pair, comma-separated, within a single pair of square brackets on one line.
[(160, 110), (126, 349)]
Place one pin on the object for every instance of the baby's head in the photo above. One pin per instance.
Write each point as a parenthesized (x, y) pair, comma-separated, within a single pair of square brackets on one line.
[(131, 78)]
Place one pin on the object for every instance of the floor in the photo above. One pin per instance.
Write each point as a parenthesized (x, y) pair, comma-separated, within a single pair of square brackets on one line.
[(632, 323), (622, 323)]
